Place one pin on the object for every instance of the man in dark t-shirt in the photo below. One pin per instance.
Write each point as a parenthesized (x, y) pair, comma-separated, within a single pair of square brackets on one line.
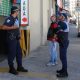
[(63, 45), (11, 25)]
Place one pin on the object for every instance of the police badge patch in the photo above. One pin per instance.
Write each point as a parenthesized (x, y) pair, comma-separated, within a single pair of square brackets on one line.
[(8, 20)]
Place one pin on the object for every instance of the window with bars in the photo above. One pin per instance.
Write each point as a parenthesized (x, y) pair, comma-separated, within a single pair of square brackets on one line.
[(5, 6)]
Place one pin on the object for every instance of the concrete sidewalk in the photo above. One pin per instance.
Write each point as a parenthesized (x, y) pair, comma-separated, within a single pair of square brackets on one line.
[(36, 63)]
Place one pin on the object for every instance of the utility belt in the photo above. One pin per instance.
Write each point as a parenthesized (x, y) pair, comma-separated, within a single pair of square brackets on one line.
[(13, 34), (62, 36)]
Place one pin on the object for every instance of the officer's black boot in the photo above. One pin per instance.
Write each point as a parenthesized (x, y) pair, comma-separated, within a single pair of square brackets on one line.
[(60, 71), (12, 70), (62, 74), (21, 69)]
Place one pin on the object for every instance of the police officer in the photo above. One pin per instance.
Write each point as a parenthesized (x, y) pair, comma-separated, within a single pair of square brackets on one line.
[(11, 25), (63, 44)]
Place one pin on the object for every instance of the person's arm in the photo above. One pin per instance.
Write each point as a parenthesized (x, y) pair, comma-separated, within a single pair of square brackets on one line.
[(4, 27), (9, 24), (1, 27)]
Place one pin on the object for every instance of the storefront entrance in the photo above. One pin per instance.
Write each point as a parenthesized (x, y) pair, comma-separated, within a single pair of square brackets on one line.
[(3, 52), (5, 6)]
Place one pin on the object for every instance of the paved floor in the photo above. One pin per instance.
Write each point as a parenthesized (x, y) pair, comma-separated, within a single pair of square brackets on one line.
[(36, 63)]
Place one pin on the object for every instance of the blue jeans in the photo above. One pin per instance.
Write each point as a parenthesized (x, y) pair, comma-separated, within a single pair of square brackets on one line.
[(53, 51)]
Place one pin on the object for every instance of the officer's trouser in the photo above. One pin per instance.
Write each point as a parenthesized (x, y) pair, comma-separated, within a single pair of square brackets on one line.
[(63, 45), (14, 50)]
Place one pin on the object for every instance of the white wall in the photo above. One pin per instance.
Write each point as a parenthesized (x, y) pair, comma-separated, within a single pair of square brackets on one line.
[(45, 19), (39, 22), (54, 7), (34, 22)]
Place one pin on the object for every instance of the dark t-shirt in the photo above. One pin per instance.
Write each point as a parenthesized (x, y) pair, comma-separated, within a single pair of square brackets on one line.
[(52, 31), (12, 34), (62, 36), (62, 25), (9, 21)]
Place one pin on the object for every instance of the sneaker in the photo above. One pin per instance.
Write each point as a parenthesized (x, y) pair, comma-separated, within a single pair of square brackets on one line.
[(53, 64), (62, 75), (56, 63), (13, 71), (50, 64), (21, 69)]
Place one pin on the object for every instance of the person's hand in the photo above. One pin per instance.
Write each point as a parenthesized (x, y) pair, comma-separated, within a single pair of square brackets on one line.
[(15, 27), (55, 36), (53, 40), (4, 27)]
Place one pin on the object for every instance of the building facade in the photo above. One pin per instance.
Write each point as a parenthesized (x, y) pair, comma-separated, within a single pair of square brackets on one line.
[(39, 20), (39, 14), (72, 6)]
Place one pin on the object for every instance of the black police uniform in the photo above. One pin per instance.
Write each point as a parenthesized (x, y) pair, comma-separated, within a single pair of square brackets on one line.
[(12, 40), (63, 45)]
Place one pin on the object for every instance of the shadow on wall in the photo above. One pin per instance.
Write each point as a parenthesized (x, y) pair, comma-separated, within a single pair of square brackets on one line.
[(2, 41)]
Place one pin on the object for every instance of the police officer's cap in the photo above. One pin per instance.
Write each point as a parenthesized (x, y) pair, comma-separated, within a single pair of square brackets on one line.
[(14, 9)]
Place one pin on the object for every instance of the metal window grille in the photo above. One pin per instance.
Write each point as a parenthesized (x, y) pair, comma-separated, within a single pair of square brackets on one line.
[(5, 6)]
